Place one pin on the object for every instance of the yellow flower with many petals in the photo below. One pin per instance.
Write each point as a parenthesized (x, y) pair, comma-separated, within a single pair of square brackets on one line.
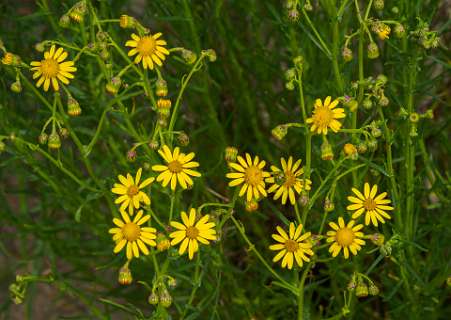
[(129, 191), (148, 49), (287, 179), (53, 69), (190, 233), (373, 206), (251, 175), (292, 246), (178, 168), (325, 116), (132, 235), (346, 237)]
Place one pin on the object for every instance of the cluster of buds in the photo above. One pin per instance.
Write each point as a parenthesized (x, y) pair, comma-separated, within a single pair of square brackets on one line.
[(18, 290), (293, 13), (376, 88), (362, 285), (428, 39), (414, 119), (381, 29), (160, 294), (11, 59), (53, 140)]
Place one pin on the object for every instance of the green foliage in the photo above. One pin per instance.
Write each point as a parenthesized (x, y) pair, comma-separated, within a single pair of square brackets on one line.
[(243, 74)]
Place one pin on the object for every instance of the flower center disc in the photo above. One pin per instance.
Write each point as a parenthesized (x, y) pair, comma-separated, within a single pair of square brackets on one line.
[(369, 204), (253, 175), (323, 116), (290, 179), (131, 231), (291, 245), (49, 68), (345, 237), (175, 166), (146, 46), (132, 190), (192, 232)]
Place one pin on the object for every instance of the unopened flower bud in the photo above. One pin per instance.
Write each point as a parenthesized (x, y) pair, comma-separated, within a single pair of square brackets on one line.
[(252, 205), (346, 54), (361, 290), (329, 206), (16, 87), (125, 275), (153, 299), (279, 132), (373, 51), (54, 141), (190, 57), (104, 54), (377, 238), (303, 199), (211, 54), (367, 103), (64, 21), (172, 282), (299, 61), (40, 46), (43, 137), (353, 105), (114, 85), (126, 21), (414, 117), (293, 14), (379, 5), (161, 87), (308, 6), (165, 299), (362, 147), (429, 114), (376, 132), (163, 243), (164, 104), (154, 145), (383, 101), (102, 36), (162, 121), (386, 249), (11, 59), (64, 133), (73, 107), (290, 74), (230, 154), (289, 85), (372, 144), (183, 139), (326, 151), (400, 31), (350, 150), (373, 289), (131, 155)]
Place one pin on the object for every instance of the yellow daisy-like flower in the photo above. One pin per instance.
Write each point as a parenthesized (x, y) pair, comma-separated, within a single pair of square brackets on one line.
[(325, 116), (287, 179), (132, 234), (250, 175), (178, 168), (190, 233), (53, 68), (346, 237), (129, 191), (149, 49), (292, 246), (373, 206)]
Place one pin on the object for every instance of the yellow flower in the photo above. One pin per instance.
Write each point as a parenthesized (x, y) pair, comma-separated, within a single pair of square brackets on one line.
[(250, 175), (287, 179), (178, 168), (148, 49), (324, 116), (373, 206), (52, 69), (346, 237), (383, 34), (129, 191), (131, 233), (292, 246), (192, 232)]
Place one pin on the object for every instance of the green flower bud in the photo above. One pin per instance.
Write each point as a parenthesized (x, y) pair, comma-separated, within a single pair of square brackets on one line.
[(153, 299), (346, 53), (183, 139), (43, 137), (373, 289), (279, 132), (367, 103), (326, 151), (73, 107), (373, 51), (190, 57), (165, 299), (64, 21), (125, 275), (54, 141), (400, 31), (161, 88), (361, 290), (230, 154), (16, 87)]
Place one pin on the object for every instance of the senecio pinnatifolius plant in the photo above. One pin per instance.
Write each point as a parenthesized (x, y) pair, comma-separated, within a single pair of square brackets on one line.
[(293, 171)]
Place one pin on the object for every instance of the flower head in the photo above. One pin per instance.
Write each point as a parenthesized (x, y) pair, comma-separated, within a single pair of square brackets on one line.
[(373, 206), (346, 237), (292, 246), (190, 233), (129, 191), (178, 168), (149, 49), (132, 234), (325, 116), (250, 174), (288, 180), (53, 68)]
